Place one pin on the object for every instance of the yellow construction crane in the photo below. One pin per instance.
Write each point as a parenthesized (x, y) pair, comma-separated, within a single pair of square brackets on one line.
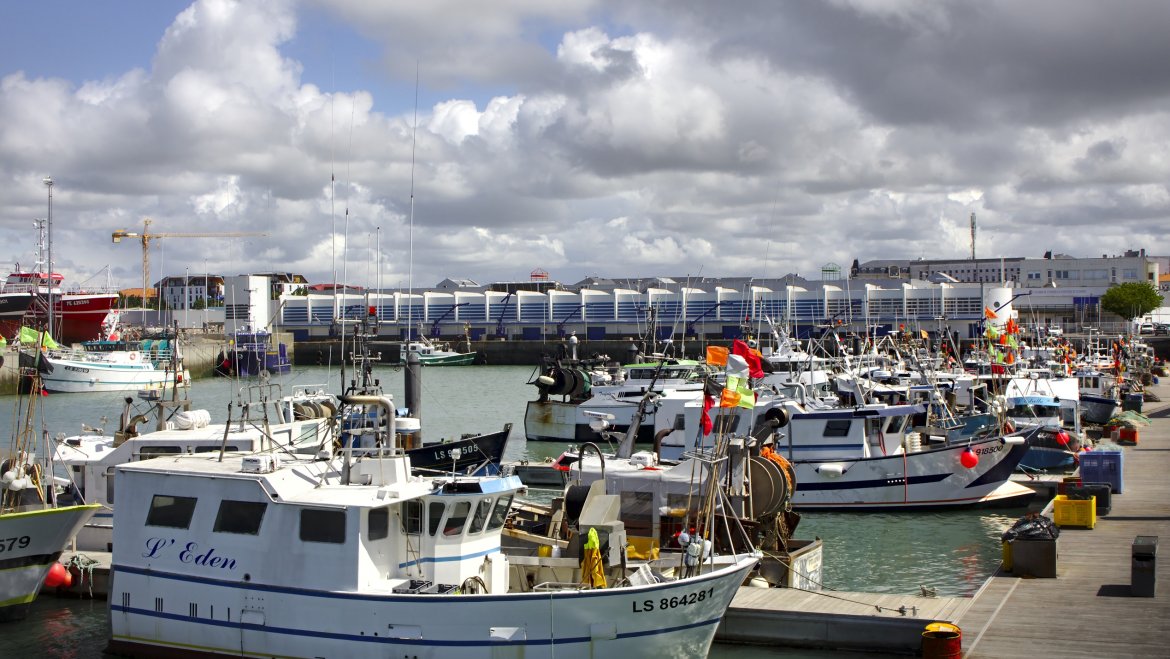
[(146, 237)]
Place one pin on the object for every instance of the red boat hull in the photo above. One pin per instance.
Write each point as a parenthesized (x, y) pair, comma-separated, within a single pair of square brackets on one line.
[(77, 317)]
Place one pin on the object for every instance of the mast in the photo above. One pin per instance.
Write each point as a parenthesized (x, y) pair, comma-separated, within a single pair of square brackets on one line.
[(49, 247)]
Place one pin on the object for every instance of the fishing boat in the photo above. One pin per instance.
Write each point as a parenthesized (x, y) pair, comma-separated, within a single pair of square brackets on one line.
[(114, 365), (1099, 395), (13, 308), (299, 424), (1049, 401), (432, 353), (251, 354), (77, 313), (750, 486), (570, 407), (34, 526), (354, 556), (871, 456)]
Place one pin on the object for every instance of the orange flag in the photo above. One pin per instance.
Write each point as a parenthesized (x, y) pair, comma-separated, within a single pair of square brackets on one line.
[(989, 314), (717, 355)]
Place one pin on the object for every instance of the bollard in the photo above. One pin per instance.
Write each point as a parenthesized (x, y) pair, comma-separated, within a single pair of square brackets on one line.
[(1143, 574)]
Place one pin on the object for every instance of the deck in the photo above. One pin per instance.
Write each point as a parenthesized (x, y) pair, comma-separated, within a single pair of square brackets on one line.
[(1087, 610)]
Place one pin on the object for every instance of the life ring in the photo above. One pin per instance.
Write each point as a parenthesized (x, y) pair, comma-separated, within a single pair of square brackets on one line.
[(133, 356)]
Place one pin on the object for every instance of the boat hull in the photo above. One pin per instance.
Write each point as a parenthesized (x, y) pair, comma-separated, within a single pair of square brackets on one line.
[(74, 376), (479, 455), (33, 541), (929, 479), (458, 359), (230, 618), (556, 421), (1098, 409), (76, 317)]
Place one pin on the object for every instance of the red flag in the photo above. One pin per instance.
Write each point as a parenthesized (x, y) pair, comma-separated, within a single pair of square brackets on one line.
[(750, 356), (705, 417)]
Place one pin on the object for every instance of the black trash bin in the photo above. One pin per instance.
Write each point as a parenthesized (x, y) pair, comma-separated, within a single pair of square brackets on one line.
[(1143, 572), (1133, 402)]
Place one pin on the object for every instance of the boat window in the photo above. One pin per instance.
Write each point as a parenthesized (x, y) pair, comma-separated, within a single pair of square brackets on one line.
[(503, 505), (637, 505), (378, 523), (481, 515), (173, 512), (434, 516), (323, 525), (151, 451), (837, 428), (411, 517), (212, 448), (896, 423), (457, 519), (239, 517)]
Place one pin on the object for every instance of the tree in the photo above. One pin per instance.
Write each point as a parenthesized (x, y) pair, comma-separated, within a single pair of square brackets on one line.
[(199, 304), (1131, 300)]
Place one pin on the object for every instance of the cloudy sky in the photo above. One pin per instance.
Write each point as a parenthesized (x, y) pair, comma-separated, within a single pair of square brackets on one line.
[(582, 137)]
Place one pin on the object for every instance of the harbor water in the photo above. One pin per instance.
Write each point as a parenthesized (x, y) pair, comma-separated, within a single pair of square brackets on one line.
[(947, 553)]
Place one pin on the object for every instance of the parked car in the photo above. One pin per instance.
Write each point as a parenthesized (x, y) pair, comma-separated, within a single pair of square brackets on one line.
[(1146, 328), (1161, 329), (1054, 330)]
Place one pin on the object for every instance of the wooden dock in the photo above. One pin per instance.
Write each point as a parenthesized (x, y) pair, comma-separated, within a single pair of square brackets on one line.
[(1087, 610), (834, 619)]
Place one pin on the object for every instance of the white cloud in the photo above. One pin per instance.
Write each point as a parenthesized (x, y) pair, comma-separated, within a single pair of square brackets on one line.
[(604, 138)]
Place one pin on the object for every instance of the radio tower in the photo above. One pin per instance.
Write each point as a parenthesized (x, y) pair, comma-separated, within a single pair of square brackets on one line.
[(972, 236)]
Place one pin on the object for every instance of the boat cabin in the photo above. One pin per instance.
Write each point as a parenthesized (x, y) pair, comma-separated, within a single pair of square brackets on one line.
[(383, 531)]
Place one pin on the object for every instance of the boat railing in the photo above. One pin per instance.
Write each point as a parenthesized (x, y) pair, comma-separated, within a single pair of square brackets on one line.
[(551, 586)]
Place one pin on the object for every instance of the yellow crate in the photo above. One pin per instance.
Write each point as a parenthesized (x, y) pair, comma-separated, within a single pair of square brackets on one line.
[(1075, 512), (643, 549)]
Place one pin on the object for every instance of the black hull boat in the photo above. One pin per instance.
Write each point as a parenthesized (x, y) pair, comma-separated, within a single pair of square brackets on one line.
[(478, 455)]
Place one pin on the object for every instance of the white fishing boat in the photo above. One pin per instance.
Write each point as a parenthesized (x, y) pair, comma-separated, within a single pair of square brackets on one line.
[(434, 353), (869, 457), (300, 423), (114, 365), (353, 556), (569, 404), (34, 527)]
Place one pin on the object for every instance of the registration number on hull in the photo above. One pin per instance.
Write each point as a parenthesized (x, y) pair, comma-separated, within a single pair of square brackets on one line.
[(674, 602)]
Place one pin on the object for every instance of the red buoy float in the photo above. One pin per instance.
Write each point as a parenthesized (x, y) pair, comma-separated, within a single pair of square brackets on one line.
[(56, 576), (968, 459)]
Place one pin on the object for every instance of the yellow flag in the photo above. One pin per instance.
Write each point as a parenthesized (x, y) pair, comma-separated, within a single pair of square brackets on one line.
[(737, 393)]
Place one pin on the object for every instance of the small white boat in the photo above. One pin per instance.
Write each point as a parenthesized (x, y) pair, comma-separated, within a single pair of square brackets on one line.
[(431, 353), (353, 556), (113, 366)]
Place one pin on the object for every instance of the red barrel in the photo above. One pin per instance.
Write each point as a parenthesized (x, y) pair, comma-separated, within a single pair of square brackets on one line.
[(942, 640)]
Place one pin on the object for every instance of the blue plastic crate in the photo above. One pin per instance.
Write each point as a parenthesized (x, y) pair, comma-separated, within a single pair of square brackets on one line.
[(1103, 467)]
